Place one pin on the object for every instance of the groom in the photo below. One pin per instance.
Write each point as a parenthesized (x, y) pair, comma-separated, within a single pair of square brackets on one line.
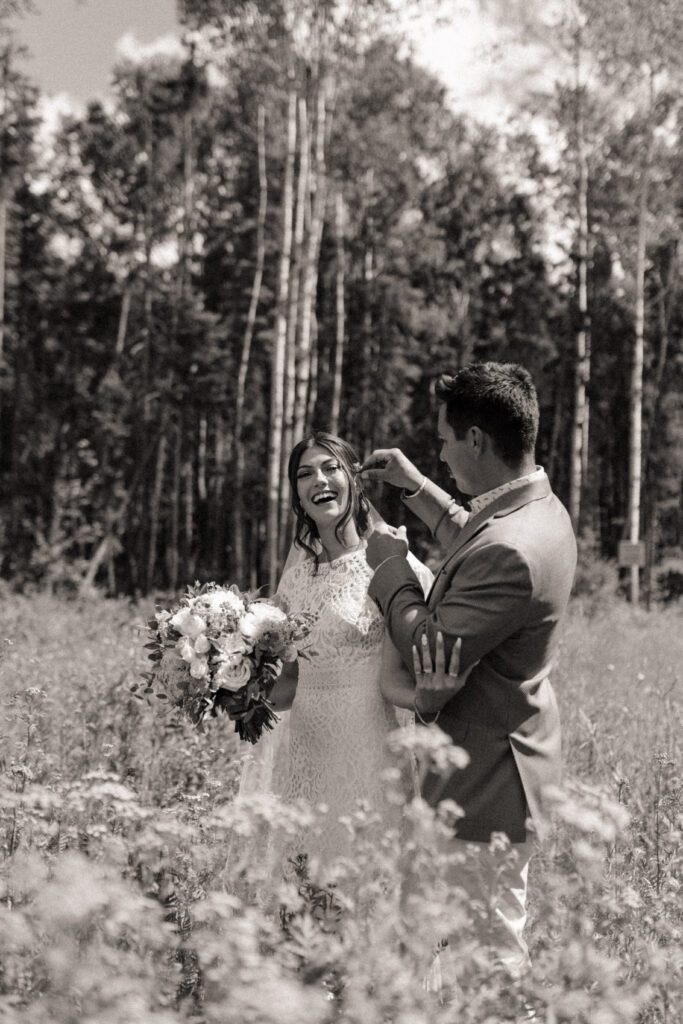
[(509, 563)]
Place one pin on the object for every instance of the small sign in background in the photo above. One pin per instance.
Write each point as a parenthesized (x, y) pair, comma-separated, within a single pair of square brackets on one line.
[(631, 552)]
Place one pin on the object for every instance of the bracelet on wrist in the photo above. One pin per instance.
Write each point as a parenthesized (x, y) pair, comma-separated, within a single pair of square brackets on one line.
[(419, 716), (414, 494)]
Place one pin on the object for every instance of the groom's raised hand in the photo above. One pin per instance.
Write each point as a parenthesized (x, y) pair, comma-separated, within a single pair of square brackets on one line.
[(391, 466)]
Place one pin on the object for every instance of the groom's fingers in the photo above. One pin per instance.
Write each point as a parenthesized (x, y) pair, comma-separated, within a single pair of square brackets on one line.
[(374, 466)]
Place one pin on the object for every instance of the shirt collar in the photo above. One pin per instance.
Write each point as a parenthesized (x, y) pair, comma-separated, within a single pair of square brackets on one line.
[(482, 501)]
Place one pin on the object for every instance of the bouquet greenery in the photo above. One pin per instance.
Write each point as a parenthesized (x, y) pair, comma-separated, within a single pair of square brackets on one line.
[(222, 650)]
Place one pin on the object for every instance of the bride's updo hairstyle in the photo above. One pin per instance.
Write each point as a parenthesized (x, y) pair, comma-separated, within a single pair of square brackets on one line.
[(357, 506)]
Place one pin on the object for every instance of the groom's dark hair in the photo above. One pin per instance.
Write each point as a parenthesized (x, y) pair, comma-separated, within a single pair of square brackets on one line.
[(500, 399)]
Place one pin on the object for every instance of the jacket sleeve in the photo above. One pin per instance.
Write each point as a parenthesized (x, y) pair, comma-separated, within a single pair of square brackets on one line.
[(439, 511), (487, 600)]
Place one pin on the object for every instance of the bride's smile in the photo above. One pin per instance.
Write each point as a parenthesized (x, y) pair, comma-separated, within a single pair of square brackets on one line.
[(323, 486)]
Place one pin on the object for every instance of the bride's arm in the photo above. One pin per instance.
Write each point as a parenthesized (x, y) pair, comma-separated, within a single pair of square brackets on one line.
[(284, 691), (396, 682)]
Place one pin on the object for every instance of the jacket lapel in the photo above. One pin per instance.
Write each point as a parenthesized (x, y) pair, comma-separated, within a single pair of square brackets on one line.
[(502, 506)]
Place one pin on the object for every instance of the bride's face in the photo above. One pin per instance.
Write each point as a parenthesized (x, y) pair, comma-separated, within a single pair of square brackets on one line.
[(323, 486)]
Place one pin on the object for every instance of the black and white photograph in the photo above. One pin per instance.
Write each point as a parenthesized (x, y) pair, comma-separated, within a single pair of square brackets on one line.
[(341, 511)]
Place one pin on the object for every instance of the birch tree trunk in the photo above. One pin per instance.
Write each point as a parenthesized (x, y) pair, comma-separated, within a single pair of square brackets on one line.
[(558, 409), (202, 492), (240, 400), (579, 446), (172, 557), (154, 509), (294, 318), (124, 315), (340, 270), (216, 490), (312, 396), (188, 519), (636, 390), (310, 278), (279, 349)]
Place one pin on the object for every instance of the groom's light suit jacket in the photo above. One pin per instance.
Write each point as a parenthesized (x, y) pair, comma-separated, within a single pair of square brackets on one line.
[(502, 587)]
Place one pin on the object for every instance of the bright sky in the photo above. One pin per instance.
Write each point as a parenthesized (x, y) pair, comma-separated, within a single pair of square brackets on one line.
[(73, 44)]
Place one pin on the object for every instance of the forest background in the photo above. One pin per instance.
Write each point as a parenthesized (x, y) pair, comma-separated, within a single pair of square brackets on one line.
[(282, 223), (283, 226)]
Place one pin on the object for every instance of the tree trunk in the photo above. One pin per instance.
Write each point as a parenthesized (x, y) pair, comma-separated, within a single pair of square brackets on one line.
[(172, 559), (202, 491), (555, 433), (312, 397), (217, 496), (188, 560), (579, 445), (240, 399), (293, 320), (310, 278), (340, 270), (278, 359), (636, 389), (154, 507), (124, 314), (658, 387)]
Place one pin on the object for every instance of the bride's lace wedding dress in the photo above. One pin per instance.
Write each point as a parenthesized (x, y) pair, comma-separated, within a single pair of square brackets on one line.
[(339, 720)]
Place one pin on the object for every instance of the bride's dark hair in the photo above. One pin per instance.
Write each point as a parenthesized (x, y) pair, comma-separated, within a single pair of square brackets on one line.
[(357, 506)]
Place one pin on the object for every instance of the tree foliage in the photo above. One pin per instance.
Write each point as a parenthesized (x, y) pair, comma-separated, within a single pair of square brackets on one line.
[(134, 241)]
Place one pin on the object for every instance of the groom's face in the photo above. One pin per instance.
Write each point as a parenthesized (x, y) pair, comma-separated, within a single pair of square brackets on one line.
[(457, 455)]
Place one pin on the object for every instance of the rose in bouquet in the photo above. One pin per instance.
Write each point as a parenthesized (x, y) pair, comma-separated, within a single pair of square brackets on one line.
[(223, 650)]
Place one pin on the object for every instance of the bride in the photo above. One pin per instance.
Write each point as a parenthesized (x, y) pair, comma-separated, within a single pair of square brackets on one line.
[(332, 751)]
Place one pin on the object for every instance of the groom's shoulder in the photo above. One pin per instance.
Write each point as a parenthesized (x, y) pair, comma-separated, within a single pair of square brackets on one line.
[(540, 531)]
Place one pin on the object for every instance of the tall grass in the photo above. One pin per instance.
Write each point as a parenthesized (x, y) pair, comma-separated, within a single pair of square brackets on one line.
[(124, 898)]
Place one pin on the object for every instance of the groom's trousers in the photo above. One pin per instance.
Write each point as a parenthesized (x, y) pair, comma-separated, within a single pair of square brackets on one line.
[(494, 883)]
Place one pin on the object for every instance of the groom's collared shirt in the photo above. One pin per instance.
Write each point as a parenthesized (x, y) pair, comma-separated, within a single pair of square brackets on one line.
[(481, 501)]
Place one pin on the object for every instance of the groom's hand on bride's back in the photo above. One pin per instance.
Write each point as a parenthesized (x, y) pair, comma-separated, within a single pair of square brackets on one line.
[(391, 466)]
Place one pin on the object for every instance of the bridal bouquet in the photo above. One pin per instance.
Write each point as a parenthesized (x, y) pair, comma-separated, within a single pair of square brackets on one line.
[(222, 650)]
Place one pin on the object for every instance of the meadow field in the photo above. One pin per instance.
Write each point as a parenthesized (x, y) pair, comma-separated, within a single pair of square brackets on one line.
[(122, 900)]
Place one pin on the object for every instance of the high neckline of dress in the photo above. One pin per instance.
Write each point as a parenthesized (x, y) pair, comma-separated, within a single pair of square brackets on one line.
[(347, 554)]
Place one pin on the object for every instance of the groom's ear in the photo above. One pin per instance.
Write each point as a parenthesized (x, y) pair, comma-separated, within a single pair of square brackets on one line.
[(477, 440)]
